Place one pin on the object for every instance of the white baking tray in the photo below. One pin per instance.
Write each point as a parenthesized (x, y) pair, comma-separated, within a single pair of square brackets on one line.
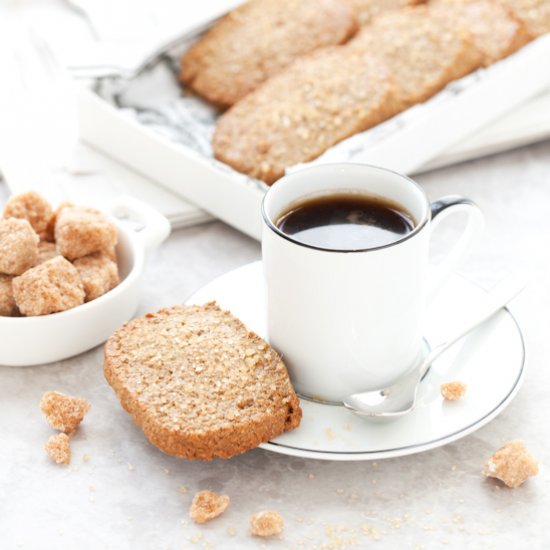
[(148, 124)]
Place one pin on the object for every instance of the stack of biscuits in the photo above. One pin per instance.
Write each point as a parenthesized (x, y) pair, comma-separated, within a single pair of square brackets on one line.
[(295, 77)]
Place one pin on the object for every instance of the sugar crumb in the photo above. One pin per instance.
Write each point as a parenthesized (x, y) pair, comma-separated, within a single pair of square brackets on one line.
[(453, 391), (266, 524), (207, 505), (58, 448), (63, 412), (196, 538), (512, 464)]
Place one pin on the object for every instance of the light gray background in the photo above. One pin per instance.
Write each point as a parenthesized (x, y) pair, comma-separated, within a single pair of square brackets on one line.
[(127, 496)]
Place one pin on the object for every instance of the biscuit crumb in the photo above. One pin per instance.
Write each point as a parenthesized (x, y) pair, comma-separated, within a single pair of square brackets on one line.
[(85, 457), (183, 489), (63, 412), (453, 391), (266, 524), (58, 448), (207, 505), (512, 464)]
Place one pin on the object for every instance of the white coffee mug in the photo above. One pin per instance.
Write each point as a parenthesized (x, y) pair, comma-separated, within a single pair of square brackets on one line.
[(351, 320)]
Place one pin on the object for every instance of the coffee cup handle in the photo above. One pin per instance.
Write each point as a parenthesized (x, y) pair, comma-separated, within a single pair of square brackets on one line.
[(441, 209)]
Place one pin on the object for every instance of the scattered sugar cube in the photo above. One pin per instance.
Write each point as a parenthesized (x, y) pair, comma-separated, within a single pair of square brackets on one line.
[(32, 207), (207, 505), (266, 524), (512, 464), (8, 308), (99, 274), (46, 251), (50, 287), (63, 412), (18, 246), (81, 231), (453, 391), (58, 448)]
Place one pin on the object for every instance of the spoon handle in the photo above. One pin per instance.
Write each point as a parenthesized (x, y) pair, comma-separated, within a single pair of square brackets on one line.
[(493, 301)]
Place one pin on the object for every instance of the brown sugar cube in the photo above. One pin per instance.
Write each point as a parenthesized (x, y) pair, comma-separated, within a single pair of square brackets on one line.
[(32, 207), (18, 246), (63, 412), (207, 505), (99, 274), (81, 231), (453, 391), (50, 287), (8, 307), (46, 251), (58, 448), (512, 464), (49, 234), (266, 524)]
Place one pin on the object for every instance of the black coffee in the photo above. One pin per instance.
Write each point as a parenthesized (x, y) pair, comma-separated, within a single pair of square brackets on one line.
[(346, 222)]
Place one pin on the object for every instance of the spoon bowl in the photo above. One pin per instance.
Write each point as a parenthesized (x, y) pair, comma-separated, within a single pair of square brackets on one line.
[(399, 399)]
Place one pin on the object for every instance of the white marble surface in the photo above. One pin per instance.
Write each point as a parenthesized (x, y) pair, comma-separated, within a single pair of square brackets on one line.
[(128, 494)]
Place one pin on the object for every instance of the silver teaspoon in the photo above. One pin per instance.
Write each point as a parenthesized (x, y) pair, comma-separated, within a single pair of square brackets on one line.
[(400, 398)]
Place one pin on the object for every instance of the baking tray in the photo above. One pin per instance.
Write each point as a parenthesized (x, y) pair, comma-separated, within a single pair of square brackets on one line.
[(147, 123)]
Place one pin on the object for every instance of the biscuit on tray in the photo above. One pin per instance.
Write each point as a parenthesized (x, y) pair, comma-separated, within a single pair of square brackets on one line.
[(535, 14), (257, 40), (367, 10), (295, 116), (495, 31), (198, 383), (424, 52)]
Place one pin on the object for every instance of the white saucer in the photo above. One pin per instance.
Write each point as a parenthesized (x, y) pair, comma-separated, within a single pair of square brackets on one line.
[(490, 361)]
